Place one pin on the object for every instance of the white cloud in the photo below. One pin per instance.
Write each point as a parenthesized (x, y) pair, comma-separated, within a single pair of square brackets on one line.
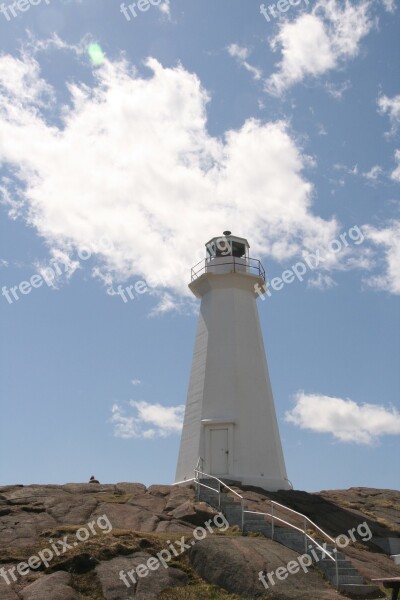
[(388, 240), (347, 170), (318, 42), (321, 282), (133, 162), (148, 420), (241, 54), (374, 173), (58, 270), (391, 107), (389, 5), (395, 175), (346, 420), (136, 382), (165, 8), (337, 90), (3, 263)]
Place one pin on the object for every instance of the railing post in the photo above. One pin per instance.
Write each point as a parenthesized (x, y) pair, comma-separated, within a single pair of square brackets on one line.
[(196, 480), (242, 502), (337, 569), (305, 535), (219, 495), (273, 523)]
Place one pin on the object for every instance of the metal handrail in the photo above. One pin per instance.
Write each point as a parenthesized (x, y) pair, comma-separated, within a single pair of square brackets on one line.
[(251, 264), (273, 517), (254, 512), (219, 480), (184, 481), (304, 517)]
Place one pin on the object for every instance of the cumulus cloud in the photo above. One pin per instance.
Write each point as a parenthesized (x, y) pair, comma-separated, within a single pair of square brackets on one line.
[(391, 107), (386, 239), (346, 420), (130, 159), (317, 42), (147, 421)]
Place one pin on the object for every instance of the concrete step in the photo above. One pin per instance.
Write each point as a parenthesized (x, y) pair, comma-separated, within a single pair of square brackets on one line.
[(233, 507), (235, 521), (212, 501), (254, 518), (348, 579), (210, 482), (209, 500), (289, 533), (258, 529), (331, 572), (360, 590), (322, 554), (250, 524), (206, 492), (325, 564), (226, 500)]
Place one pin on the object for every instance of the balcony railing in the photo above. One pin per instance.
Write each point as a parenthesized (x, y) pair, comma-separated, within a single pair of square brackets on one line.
[(251, 266)]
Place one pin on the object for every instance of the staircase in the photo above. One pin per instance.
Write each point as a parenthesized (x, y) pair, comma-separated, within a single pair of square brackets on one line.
[(343, 575)]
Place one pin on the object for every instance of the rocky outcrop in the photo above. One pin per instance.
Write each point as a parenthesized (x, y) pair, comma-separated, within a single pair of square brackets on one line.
[(56, 587), (144, 588), (234, 564), (84, 535)]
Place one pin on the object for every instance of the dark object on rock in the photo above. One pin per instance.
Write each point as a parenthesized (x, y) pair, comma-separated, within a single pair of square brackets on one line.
[(93, 480), (81, 563)]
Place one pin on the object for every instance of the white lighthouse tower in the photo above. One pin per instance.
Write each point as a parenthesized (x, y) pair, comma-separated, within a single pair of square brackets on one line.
[(230, 422)]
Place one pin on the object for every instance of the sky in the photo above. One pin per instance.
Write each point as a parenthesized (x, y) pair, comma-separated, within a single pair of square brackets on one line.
[(130, 136)]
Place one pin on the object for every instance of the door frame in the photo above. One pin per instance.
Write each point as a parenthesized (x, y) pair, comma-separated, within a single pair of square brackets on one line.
[(209, 425)]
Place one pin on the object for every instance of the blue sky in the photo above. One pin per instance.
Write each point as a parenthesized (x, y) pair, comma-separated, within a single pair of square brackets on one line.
[(125, 145)]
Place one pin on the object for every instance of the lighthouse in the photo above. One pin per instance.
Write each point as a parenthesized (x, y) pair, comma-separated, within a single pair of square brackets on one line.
[(230, 427)]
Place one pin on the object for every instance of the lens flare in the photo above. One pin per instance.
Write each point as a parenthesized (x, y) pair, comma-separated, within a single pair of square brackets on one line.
[(96, 54)]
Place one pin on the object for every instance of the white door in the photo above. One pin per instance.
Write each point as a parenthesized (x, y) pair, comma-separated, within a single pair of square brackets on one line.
[(219, 451)]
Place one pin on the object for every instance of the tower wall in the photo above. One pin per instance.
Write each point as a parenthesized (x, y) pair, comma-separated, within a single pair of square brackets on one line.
[(230, 400)]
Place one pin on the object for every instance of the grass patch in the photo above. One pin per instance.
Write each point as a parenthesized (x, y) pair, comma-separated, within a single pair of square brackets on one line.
[(198, 591)]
